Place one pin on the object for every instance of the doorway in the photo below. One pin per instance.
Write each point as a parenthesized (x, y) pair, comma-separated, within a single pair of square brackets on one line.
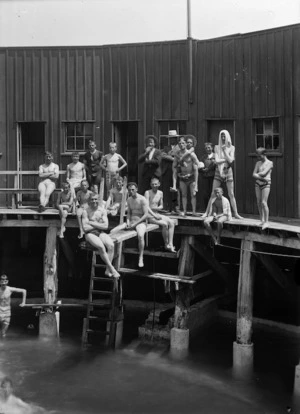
[(126, 136), (31, 148), (215, 126)]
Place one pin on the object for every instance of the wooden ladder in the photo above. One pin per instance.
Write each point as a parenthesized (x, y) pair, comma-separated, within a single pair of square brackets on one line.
[(104, 305)]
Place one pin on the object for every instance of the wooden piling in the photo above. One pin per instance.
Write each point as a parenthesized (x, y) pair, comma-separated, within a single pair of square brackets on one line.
[(50, 266), (245, 294)]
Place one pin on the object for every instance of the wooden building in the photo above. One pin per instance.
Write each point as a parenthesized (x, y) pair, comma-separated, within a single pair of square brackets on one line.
[(57, 98)]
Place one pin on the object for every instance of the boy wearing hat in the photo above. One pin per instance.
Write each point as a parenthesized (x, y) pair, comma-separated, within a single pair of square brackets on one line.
[(5, 308)]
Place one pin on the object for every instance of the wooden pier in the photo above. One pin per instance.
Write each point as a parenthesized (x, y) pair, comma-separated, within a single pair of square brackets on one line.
[(281, 238)]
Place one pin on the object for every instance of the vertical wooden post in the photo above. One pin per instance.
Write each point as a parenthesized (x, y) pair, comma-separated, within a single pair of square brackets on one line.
[(50, 266), (245, 294), (185, 268), (243, 347)]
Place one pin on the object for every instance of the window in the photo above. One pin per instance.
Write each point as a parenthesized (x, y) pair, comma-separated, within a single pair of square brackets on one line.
[(267, 133), (165, 127), (77, 135)]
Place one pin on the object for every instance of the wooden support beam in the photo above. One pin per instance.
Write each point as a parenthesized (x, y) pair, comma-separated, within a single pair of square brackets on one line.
[(276, 273), (163, 276), (50, 266), (245, 294), (183, 296), (158, 253), (206, 255), (292, 242)]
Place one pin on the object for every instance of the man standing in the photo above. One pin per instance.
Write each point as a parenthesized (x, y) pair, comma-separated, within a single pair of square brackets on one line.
[(94, 221), (91, 160), (151, 162), (49, 173), (5, 307), (186, 169)]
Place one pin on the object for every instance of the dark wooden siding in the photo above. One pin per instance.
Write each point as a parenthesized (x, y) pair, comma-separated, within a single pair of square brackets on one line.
[(104, 84), (235, 79), (250, 76)]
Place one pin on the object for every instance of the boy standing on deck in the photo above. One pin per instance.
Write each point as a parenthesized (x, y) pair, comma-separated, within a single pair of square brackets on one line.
[(155, 200), (219, 213), (5, 308), (110, 164)]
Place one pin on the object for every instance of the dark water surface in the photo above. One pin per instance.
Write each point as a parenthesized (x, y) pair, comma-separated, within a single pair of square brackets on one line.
[(144, 378)]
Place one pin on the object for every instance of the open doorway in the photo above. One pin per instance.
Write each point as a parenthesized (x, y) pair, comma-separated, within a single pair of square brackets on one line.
[(31, 148), (215, 126), (126, 137)]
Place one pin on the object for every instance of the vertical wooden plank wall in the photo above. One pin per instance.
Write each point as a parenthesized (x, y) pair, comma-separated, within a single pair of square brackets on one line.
[(236, 79)]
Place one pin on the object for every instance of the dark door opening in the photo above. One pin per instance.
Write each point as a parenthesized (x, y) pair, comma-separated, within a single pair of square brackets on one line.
[(126, 137), (215, 126), (31, 146)]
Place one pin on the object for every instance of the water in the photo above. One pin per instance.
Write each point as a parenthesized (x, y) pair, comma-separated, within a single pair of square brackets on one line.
[(143, 378)]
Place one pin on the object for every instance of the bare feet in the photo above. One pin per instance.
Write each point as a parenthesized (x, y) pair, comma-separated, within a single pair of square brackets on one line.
[(61, 235), (173, 190), (237, 216), (115, 274), (182, 213), (265, 225), (171, 248), (141, 262), (80, 236), (204, 215)]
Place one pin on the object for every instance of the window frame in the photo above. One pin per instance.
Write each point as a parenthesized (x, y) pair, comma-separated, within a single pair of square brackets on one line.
[(273, 151), (84, 136), (170, 126)]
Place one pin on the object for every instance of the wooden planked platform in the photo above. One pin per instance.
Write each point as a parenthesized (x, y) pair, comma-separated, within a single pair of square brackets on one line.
[(162, 276)]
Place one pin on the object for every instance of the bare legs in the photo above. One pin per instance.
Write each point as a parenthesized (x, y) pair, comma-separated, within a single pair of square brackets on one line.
[(79, 212), (45, 188), (219, 222), (230, 189), (262, 196), (141, 230), (104, 244), (63, 210), (167, 229)]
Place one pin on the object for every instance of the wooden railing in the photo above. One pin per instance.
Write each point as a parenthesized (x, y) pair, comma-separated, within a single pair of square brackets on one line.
[(17, 190)]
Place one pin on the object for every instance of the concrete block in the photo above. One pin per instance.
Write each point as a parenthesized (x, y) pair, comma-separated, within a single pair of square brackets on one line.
[(243, 360), (48, 325)]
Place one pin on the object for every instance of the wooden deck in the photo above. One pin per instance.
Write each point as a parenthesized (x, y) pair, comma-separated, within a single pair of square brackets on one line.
[(281, 232)]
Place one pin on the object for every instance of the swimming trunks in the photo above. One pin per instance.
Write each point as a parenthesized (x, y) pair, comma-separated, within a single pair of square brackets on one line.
[(226, 176)]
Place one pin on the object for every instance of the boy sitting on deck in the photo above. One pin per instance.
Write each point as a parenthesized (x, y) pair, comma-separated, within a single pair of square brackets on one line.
[(219, 213), (110, 164), (155, 200), (75, 173), (5, 308), (137, 214), (82, 199), (64, 205), (114, 201)]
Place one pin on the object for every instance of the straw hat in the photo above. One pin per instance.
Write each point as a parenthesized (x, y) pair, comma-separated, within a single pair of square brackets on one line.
[(173, 133)]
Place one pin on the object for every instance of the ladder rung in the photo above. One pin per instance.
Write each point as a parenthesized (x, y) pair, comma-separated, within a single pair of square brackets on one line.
[(102, 292), (97, 331), (99, 318), (104, 279)]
